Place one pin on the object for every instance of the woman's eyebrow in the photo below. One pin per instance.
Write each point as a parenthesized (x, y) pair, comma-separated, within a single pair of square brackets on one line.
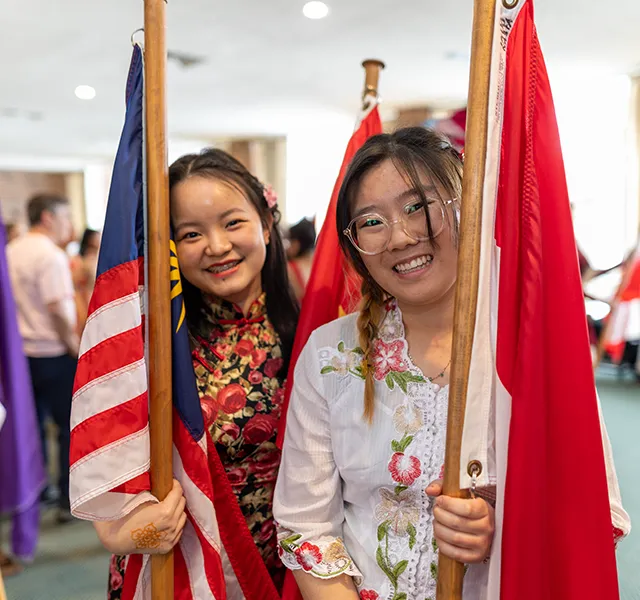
[(427, 189)]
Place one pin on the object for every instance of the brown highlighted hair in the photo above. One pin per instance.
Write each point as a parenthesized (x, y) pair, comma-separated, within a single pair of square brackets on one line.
[(413, 150)]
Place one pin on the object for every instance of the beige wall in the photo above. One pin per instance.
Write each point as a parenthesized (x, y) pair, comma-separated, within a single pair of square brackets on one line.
[(266, 159), (17, 187)]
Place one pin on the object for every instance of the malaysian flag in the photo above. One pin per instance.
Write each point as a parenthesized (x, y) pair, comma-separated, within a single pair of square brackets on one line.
[(110, 455)]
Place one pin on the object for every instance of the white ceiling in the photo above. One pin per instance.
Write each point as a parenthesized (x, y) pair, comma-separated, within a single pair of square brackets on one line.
[(266, 65)]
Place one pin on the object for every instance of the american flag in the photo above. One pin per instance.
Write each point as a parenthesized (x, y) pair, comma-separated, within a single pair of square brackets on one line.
[(216, 557)]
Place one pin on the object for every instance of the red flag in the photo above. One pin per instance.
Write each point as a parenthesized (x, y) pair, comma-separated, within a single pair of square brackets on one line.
[(534, 425), (333, 289)]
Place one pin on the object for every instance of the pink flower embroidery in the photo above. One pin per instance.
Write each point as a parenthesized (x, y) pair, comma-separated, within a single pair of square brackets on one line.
[(270, 196), (308, 556), (368, 595), (387, 358), (404, 469)]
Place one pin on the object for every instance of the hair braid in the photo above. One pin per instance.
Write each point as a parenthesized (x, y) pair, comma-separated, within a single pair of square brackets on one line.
[(368, 323)]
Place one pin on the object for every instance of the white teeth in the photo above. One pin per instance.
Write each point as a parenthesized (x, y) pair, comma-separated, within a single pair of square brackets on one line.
[(223, 268), (416, 263)]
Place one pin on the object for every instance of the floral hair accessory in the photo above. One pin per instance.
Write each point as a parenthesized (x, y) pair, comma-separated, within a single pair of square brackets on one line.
[(270, 196)]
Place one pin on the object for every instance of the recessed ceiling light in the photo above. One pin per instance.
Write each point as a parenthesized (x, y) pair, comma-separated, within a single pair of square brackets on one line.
[(85, 92), (315, 10)]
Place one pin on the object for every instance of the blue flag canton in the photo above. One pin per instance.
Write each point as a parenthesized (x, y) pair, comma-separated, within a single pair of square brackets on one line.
[(185, 392)]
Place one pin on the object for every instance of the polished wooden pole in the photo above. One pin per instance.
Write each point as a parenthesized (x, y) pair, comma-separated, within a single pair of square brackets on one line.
[(450, 572), (372, 68), (159, 285)]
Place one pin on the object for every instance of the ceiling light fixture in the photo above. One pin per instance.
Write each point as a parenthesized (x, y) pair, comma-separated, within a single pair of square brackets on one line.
[(85, 92), (315, 10)]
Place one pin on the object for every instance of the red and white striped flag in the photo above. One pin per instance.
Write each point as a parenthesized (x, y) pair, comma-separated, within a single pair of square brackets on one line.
[(216, 557), (532, 417)]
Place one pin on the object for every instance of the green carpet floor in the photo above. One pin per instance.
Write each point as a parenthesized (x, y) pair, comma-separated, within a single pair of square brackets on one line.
[(71, 564)]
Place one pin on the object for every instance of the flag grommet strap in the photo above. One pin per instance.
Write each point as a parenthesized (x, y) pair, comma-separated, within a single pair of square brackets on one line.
[(474, 468)]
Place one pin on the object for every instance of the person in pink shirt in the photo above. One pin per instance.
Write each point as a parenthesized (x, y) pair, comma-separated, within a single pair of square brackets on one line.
[(43, 288)]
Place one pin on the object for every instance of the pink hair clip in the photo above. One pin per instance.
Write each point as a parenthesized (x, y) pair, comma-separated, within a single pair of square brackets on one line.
[(270, 196)]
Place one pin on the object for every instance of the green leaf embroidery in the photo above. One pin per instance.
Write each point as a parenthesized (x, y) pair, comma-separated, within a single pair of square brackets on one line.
[(403, 444), (327, 369), (411, 530), (400, 596), (434, 571), (400, 568), (382, 563), (395, 445), (382, 530), (341, 347), (358, 350), (288, 543), (410, 377), (400, 488), (389, 381), (357, 372), (400, 380), (434, 544)]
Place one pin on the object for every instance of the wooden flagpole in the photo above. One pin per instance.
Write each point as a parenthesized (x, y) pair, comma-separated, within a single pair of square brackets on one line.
[(372, 68), (450, 572), (159, 286)]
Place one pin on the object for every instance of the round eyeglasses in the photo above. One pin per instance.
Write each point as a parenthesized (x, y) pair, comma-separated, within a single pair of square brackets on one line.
[(370, 233)]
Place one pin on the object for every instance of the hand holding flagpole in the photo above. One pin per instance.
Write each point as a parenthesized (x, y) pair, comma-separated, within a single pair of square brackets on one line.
[(159, 290), (450, 572)]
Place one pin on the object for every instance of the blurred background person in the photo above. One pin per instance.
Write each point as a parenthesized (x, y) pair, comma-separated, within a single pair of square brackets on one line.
[(301, 244), (13, 231), (83, 271), (41, 280)]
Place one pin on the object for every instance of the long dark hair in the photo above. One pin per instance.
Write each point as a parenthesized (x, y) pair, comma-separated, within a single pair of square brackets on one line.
[(304, 232), (412, 150), (86, 239), (282, 307)]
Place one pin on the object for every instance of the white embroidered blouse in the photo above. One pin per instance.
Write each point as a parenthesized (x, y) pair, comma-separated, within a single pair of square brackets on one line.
[(350, 496)]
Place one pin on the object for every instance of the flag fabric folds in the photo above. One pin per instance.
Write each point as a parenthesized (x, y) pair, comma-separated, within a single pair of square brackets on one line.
[(333, 289), (110, 456), (22, 471), (532, 418)]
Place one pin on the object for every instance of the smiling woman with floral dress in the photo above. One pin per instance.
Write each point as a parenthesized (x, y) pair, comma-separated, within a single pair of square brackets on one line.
[(358, 502), (242, 316)]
